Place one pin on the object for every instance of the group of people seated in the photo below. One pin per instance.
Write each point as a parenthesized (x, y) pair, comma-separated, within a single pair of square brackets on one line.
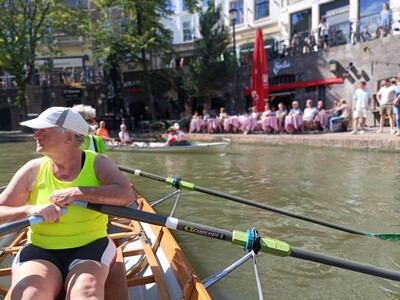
[(276, 120)]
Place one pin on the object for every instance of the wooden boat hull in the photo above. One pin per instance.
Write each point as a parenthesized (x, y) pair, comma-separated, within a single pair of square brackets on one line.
[(195, 148), (149, 265)]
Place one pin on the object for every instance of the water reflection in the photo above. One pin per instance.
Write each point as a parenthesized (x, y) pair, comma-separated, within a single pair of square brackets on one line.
[(356, 189)]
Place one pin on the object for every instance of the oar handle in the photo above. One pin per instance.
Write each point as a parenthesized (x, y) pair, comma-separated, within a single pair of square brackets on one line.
[(18, 225)]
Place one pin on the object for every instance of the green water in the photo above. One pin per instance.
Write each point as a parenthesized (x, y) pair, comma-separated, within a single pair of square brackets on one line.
[(356, 189)]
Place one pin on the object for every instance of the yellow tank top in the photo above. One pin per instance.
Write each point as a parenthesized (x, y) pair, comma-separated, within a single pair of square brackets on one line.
[(78, 226)]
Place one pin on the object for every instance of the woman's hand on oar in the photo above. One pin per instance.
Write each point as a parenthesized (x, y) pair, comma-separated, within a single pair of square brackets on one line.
[(18, 225), (192, 187), (263, 244)]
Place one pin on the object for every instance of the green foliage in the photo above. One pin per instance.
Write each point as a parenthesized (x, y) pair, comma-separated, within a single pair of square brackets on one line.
[(210, 69), (125, 31), (27, 25)]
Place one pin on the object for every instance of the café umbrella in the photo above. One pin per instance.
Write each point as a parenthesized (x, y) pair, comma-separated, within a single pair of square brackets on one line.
[(259, 73)]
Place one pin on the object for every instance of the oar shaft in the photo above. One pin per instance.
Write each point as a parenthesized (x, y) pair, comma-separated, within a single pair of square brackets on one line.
[(190, 186), (278, 210), (268, 245), (169, 222), (344, 264), (14, 226)]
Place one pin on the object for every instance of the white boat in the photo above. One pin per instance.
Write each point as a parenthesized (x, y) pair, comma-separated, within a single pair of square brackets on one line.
[(192, 148), (149, 265)]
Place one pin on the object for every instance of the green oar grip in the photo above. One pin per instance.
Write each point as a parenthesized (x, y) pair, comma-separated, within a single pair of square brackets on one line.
[(268, 245), (182, 184)]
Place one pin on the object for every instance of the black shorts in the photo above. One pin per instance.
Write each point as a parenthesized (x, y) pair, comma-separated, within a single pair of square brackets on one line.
[(102, 250)]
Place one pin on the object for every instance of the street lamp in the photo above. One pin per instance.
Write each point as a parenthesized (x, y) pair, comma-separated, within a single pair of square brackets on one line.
[(232, 16)]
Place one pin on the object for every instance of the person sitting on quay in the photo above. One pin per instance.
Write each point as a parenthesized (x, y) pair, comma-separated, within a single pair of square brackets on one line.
[(206, 117), (343, 113), (265, 114), (320, 112), (309, 114), (295, 111), (197, 123), (222, 117), (281, 113), (124, 136)]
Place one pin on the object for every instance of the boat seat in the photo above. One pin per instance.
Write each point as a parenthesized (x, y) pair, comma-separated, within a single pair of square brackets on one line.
[(116, 286)]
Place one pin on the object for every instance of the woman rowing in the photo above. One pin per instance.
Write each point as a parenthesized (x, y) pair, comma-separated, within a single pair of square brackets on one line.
[(70, 251)]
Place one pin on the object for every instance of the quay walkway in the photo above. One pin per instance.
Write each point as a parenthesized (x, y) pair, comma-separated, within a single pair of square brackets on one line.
[(370, 140)]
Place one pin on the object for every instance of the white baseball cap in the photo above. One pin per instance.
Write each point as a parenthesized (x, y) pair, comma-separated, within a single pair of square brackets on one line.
[(63, 117)]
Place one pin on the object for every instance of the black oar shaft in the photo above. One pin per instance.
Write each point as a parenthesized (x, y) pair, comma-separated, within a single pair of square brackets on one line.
[(344, 264), (277, 210), (191, 186), (14, 226), (169, 222), (268, 245)]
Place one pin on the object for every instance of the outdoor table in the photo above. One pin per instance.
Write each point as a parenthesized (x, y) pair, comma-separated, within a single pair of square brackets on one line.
[(231, 123), (323, 119), (196, 125), (270, 121), (247, 124), (295, 121), (212, 125)]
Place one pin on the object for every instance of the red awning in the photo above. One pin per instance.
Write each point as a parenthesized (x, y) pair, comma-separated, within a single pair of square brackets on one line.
[(298, 85)]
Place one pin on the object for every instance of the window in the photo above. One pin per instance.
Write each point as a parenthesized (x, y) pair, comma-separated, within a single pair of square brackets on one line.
[(187, 31), (369, 14), (184, 6), (169, 6), (238, 5), (261, 9), (301, 23), (337, 16)]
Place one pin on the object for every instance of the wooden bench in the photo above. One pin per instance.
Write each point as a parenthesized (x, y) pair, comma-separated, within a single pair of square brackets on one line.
[(116, 286)]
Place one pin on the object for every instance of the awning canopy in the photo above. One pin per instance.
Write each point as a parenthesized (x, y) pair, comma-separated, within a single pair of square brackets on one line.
[(301, 84)]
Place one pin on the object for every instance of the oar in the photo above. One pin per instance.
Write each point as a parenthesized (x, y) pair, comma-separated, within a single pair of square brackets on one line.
[(18, 225), (267, 245), (192, 187)]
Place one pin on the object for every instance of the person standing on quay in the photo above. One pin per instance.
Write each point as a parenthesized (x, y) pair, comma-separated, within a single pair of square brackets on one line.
[(396, 103), (385, 97), (361, 102)]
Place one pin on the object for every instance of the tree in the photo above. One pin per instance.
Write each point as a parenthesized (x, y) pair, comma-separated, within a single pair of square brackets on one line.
[(129, 33), (24, 28), (208, 73)]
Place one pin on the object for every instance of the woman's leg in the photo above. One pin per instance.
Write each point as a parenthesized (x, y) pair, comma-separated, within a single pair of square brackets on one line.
[(36, 279), (86, 280)]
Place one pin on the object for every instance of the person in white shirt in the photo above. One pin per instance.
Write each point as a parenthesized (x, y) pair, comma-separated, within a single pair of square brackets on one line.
[(124, 135), (361, 101), (385, 97), (309, 114)]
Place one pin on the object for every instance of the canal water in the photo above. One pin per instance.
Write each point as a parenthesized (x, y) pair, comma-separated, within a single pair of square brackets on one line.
[(355, 189)]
